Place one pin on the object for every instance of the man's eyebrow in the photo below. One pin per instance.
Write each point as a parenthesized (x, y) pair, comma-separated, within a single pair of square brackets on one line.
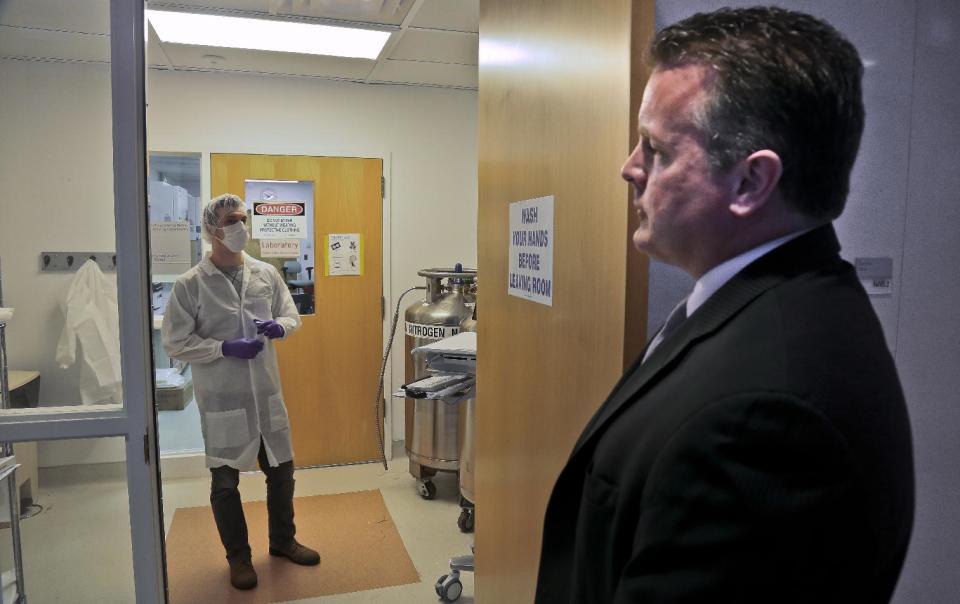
[(644, 133)]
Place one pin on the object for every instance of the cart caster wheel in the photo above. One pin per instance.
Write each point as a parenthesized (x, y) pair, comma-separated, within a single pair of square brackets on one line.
[(449, 587), (427, 489), (465, 521)]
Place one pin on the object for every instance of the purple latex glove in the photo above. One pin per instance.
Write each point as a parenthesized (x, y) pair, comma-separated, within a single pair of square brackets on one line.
[(242, 348), (271, 328)]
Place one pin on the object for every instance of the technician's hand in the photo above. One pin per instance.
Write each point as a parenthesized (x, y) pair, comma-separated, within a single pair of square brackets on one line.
[(271, 328), (242, 348)]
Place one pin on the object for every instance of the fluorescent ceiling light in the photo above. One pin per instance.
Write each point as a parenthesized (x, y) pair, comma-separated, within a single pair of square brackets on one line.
[(264, 34)]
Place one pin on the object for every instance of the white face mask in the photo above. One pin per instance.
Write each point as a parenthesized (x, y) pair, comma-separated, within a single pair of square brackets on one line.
[(235, 237)]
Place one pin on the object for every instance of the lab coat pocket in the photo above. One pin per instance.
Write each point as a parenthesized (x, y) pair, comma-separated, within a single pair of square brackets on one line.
[(278, 414), (227, 428)]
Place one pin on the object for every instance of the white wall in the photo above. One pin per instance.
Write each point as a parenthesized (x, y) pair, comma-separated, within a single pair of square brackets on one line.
[(903, 204), (56, 170)]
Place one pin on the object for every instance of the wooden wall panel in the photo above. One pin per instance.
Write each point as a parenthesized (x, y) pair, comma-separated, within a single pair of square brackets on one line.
[(556, 86)]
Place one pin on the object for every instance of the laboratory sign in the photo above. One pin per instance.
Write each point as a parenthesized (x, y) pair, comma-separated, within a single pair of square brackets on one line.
[(279, 220), (531, 250)]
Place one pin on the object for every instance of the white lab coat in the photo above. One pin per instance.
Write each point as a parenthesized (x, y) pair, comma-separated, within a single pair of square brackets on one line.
[(240, 400), (92, 317)]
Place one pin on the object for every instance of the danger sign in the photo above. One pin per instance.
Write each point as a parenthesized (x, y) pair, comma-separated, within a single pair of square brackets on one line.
[(278, 209), (279, 220)]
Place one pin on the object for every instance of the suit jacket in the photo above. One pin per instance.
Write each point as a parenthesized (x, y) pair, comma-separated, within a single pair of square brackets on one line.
[(761, 454)]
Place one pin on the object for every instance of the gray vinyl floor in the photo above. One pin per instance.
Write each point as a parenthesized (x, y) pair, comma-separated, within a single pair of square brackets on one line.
[(77, 549)]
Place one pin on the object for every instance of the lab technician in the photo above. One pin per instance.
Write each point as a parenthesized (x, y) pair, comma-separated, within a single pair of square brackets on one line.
[(761, 451), (222, 317)]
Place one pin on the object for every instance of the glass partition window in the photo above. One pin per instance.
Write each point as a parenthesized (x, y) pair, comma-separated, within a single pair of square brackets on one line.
[(58, 243), (72, 234), (173, 195), (173, 192), (74, 533)]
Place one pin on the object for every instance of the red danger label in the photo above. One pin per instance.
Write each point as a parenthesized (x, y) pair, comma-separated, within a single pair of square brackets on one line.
[(278, 209)]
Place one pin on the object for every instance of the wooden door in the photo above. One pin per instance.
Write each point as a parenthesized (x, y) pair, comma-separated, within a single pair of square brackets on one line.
[(331, 366), (555, 120)]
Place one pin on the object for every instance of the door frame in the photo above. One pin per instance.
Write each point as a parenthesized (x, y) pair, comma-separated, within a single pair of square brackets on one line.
[(135, 422), (385, 235)]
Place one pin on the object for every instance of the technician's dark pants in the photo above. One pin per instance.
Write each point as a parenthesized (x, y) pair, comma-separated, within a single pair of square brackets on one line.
[(228, 513)]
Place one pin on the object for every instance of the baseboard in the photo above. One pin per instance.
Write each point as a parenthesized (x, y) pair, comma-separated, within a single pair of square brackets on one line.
[(82, 473), (187, 464)]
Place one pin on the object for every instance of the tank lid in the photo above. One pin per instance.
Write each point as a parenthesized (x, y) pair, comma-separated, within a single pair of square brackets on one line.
[(464, 274)]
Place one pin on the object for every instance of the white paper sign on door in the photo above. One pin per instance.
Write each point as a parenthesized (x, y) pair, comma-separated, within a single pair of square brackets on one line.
[(344, 254), (531, 250)]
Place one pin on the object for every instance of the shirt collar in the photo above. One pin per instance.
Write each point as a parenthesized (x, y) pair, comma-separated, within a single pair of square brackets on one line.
[(718, 276), (208, 267)]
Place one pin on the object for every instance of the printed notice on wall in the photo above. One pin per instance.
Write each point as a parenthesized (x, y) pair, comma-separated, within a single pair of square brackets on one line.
[(170, 246), (531, 250), (876, 275), (279, 248), (344, 253), (279, 220)]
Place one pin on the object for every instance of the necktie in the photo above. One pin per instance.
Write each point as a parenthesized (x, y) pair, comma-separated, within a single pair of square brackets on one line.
[(677, 316)]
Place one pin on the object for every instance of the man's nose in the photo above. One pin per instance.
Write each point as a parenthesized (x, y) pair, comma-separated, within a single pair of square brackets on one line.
[(633, 171)]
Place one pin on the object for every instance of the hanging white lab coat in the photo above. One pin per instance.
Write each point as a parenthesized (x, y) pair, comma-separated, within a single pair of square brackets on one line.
[(240, 400), (92, 318)]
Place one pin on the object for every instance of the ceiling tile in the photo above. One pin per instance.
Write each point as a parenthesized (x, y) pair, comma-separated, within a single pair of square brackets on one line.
[(156, 57), (459, 15), (437, 46), (433, 74), (388, 12), (45, 44), (86, 16), (186, 56)]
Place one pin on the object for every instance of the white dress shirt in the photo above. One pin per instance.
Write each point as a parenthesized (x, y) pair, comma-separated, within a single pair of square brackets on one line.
[(715, 278)]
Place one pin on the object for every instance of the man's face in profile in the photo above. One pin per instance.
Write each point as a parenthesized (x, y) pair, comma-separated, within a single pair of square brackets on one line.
[(679, 199)]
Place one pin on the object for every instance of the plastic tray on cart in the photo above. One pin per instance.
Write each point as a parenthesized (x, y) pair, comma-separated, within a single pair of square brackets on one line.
[(456, 354)]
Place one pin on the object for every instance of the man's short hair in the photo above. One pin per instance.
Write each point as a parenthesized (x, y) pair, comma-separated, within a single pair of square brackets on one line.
[(786, 81)]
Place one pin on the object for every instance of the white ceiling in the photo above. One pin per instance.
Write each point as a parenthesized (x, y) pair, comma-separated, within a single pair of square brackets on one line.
[(432, 42)]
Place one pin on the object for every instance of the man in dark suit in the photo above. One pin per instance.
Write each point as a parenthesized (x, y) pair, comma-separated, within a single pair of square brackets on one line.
[(759, 451)]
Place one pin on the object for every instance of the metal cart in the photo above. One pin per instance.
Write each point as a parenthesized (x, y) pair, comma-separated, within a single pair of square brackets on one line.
[(454, 355), (11, 581)]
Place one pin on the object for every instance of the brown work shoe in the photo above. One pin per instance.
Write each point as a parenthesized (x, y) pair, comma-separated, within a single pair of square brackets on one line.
[(299, 554), (242, 575)]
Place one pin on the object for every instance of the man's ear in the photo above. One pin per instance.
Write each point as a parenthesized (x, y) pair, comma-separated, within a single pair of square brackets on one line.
[(758, 179)]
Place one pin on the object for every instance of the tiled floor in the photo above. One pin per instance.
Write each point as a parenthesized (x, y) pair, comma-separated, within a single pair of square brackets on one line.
[(77, 549)]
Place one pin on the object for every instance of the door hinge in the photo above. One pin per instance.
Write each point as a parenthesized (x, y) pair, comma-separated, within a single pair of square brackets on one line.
[(383, 308), (146, 449), (383, 187)]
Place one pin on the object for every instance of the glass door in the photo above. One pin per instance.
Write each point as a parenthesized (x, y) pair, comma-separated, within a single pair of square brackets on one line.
[(74, 268)]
